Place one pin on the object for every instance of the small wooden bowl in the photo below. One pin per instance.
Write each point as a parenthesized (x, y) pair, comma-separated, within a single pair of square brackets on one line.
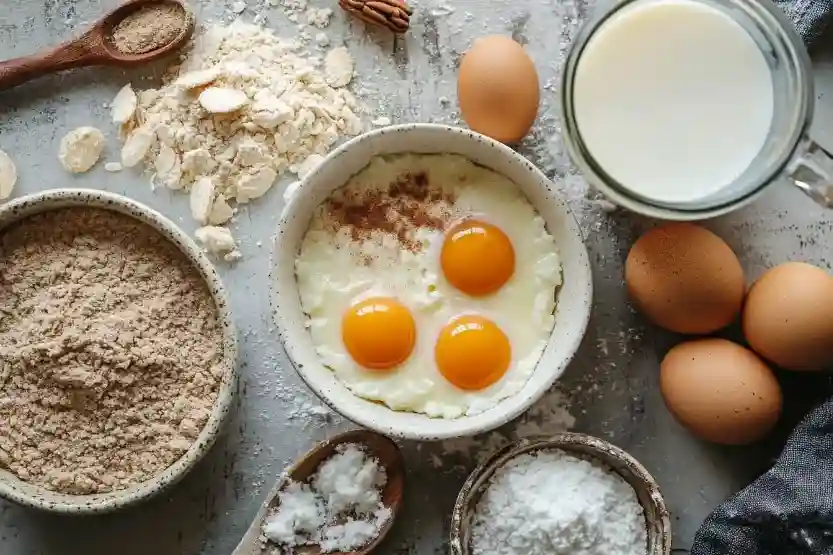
[(376, 445), (657, 521)]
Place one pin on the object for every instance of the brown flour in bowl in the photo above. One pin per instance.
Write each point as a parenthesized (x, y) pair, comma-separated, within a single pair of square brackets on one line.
[(111, 352)]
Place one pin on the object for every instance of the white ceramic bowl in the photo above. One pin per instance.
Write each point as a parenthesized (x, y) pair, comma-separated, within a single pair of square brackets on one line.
[(574, 297), (38, 497)]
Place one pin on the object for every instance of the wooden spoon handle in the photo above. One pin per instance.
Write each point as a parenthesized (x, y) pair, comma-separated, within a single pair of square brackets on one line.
[(83, 51)]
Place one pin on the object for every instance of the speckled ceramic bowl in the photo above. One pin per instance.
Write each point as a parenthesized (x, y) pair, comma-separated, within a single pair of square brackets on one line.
[(39, 498), (657, 521), (574, 297)]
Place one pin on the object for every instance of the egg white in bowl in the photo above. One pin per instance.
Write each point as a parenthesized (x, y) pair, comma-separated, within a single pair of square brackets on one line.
[(548, 248)]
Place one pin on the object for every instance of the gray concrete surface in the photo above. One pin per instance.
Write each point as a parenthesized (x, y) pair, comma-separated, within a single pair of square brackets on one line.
[(612, 383)]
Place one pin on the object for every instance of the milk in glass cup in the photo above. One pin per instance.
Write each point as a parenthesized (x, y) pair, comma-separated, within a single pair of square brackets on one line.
[(688, 109)]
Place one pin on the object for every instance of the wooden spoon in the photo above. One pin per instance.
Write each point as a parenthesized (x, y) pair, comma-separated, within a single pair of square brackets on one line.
[(380, 447), (95, 47)]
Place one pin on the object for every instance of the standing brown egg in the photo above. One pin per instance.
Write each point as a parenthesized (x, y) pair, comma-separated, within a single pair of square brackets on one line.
[(685, 278), (720, 391), (788, 317), (497, 87)]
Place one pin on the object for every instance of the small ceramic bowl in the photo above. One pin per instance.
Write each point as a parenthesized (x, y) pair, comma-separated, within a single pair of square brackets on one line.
[(574, 296), (657, 521), (40, 498)]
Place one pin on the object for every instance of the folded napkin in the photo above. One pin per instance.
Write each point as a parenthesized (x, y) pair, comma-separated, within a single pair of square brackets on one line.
[(810, 17)]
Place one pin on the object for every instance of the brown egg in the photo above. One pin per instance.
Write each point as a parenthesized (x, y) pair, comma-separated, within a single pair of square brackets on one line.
[(788, 317), (685, 278), (720, 391), (497, 87)]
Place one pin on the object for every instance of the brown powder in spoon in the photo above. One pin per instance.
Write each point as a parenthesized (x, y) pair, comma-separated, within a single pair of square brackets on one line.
[(149, 28)]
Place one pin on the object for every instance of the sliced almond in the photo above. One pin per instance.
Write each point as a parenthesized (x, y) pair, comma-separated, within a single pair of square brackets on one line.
[(165, 160), (255, 185), (124, 105), (222, 100), (221, 212), (136, 147), (199, 78), (80, 149), (8, 175), (202, 195), (216, 240)]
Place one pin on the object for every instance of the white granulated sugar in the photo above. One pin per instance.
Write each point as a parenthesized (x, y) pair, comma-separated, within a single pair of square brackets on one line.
[(339, 510), (8, 175), (553, 503), (241, 109), (80, 149)]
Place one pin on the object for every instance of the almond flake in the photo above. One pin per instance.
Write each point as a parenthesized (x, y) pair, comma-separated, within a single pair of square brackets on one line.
[(222, 100), (256, 184), (136, 146), (80, 149), (199, 78), (202, 194), (216, 240), (165, 160), (124, 105), (8, 175), (221, 212)]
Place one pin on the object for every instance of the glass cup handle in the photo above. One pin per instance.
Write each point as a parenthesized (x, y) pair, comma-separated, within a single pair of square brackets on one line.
[(812, 172)]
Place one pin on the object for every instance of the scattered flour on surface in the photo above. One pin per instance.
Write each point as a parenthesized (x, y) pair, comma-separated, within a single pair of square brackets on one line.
[(553, 503), (339, 510), (546, 417)]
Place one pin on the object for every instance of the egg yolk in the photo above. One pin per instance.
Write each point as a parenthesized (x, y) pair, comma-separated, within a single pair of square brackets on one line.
[(379, 333), (477, 258), (472, 352)]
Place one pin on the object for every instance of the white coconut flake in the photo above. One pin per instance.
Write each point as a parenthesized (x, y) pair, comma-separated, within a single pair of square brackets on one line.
[(222, 100), (80, 149), (124, 105), (8, 175), (341, 509)]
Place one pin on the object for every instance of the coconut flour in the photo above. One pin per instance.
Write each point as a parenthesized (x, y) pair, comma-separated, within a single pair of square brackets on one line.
[(149, 28), (110, 351)]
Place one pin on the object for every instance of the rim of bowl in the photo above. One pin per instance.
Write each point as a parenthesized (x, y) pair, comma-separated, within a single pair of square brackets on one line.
[(436, 428), (45, 201), (601, 451)]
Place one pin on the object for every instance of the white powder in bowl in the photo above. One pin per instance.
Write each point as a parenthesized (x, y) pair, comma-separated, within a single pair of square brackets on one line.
[(553, 503), (340, 509)]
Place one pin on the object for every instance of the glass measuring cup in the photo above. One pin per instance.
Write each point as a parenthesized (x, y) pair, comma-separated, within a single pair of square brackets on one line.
[(788, 155)]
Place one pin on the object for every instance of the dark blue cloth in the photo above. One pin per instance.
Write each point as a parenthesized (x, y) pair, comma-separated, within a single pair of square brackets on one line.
[(789, 509), (810, 17)]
